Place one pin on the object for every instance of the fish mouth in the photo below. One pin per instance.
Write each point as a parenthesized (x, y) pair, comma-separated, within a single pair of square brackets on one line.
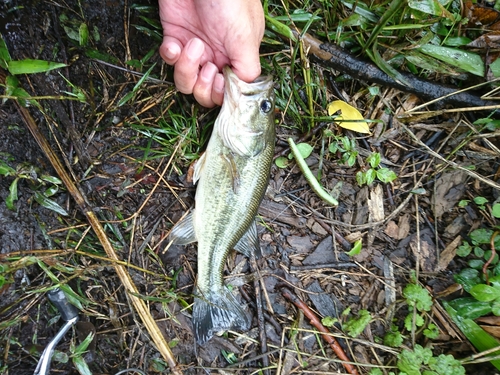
[(235, 87)]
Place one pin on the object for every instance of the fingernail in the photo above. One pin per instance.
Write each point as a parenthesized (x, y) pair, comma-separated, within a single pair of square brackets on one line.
[(172, 51), (219, 83), (208, 72), (194, 47)]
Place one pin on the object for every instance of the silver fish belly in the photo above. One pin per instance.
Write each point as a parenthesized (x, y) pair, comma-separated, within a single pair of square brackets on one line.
[(232, 177)]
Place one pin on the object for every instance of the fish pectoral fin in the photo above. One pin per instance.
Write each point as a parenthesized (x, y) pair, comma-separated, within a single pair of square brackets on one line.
[(198, 167), (183, 232), (249, 244), (233, 171)]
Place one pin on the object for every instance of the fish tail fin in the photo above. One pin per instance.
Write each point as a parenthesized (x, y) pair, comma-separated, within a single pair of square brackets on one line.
[(217, 311)]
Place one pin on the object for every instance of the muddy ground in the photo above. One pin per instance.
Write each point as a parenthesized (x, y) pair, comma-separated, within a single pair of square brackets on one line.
[(104, 146)]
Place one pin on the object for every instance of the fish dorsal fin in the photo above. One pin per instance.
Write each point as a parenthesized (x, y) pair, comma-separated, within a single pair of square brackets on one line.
[(198, 167), (183, 232), (249, 244)]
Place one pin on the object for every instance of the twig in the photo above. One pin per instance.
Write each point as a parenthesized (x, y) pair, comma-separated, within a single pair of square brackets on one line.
[(332, 56), (320, 327), (493, 253), (260, 315)]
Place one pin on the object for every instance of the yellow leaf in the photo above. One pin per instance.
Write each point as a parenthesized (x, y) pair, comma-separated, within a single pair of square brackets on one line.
[(349, 117)]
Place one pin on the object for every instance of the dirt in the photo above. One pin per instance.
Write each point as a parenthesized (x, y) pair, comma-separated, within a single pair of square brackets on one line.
[(304, 242)]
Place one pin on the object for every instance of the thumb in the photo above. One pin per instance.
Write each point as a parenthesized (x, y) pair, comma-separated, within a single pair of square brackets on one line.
[(246, 64)]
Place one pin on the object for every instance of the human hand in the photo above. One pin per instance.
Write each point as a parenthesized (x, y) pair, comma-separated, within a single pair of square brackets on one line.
[(200, 37)]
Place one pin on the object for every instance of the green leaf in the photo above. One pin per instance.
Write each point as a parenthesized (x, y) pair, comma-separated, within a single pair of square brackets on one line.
[(4, 54), (431, 332), (457, 41), (12, 197), (411, 361), (446, 365), (329, 321), (480, 201), (81, 366), (468, 61), (463, 203), (481, 236), (483, 292), (373, 159), (418, 297), (470, 308), (5, 170), (464, 249), (495, 308), (29, 66), (476, 335), (370, 174), (433, 7), (51, 179), (408, 322), (361, 178), (42, 200), (386, 67), (355, 326), (279, 27), (393, 338), (305, 150), (281, 162), (386, 175), (495, 67), (356, 249), (495, 210), (83, 34), (476, 263), (129, 96)]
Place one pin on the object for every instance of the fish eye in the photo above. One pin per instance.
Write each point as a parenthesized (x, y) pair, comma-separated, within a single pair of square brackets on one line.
[(266, 106)]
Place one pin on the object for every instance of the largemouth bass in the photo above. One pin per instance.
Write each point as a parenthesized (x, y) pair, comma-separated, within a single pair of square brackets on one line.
[(232, 177)]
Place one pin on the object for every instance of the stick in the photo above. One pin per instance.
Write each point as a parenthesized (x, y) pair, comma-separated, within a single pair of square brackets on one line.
[(332, 341)]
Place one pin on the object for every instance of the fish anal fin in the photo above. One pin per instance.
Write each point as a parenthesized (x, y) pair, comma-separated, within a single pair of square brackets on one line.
[(217, 311), (249, 244), (183, 232)]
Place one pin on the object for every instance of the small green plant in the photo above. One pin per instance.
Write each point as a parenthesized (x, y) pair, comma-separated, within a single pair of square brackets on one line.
[(345, 146), (383, 174), (25, 171), (356, 325), (419, 360)]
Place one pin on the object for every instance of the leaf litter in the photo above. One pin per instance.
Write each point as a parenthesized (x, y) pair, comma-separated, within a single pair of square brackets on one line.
[(117, 152)]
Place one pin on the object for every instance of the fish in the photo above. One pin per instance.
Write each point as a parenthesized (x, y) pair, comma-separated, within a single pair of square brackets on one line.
[(232, 177)]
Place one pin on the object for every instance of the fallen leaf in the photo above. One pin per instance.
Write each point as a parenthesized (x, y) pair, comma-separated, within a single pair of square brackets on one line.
[(448, 254), (349, 117), (450, 188)]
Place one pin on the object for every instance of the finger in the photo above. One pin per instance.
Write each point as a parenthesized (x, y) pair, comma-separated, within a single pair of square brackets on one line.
[(188, 65), (203, 88), (218, 89), (246, 65), (170, 50)]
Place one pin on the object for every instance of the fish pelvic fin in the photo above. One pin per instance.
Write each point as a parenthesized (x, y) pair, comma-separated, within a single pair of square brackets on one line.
[(249, 244), (218, 311), (183, 232)]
